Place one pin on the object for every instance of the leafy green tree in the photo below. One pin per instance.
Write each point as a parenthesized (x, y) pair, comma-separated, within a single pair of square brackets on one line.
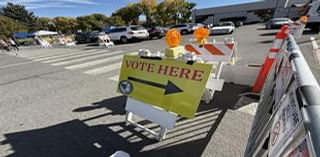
[(180, 10), (162, 14), (19, 13), (43, 23), (148, 8), (129, 14), (101, 20), (9, 26), (265, 14), (173, 11), (87, 23), (115, 21), (64, 24), (185, 10)]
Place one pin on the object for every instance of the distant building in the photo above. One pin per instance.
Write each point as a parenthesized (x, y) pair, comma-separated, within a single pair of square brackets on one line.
[(248, 12)]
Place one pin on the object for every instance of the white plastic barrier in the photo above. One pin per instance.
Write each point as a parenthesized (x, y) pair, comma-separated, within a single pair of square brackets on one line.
[(287, 119), (219, 54)]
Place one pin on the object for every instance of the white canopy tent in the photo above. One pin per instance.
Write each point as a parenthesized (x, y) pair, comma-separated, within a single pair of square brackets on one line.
[(44, 33)]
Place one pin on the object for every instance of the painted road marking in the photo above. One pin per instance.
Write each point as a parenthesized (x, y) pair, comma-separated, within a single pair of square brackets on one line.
[(73, 56), (84, 59), (104, 69), (61, 55), (96, 62)]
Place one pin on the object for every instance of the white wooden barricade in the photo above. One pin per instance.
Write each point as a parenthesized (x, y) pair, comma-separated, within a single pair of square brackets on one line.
[(157, 115)]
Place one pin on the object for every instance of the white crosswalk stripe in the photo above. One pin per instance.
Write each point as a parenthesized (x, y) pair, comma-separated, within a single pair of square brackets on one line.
[(59, 56), (88, 62), (82, 59), (114, 78), (46, 54), (104, 69), (95, 62), (70, 57)]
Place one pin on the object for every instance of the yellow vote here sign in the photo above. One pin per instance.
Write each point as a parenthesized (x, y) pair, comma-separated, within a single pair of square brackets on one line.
[(167, 83)]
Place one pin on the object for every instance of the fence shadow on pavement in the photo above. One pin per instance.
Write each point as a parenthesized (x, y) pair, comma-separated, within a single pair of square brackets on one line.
[(268, 34), (76, 138), (266, 42), (310, 32)]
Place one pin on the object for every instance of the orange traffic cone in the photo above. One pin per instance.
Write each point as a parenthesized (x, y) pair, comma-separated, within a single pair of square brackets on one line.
[(273, 52)]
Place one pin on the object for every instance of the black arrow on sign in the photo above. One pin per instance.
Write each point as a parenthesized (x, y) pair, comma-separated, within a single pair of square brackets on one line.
[(170, 87)]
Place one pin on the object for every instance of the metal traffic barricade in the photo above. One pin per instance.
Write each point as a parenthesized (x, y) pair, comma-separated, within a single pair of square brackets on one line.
[(287, 119)]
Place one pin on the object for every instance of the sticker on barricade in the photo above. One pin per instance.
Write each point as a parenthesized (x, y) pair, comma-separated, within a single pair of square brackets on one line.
[(282, 80), (303, 149), (219, 52), (287, 121), (170, 84)]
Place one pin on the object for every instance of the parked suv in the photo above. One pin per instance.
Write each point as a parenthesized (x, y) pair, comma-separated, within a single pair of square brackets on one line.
[(183, 28), (223, 28), (124, 34)]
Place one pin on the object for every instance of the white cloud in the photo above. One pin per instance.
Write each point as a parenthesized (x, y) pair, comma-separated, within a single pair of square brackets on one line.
[(34, 4)]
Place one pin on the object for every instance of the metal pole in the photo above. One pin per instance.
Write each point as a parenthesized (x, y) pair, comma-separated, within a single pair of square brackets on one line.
[(310, 93)]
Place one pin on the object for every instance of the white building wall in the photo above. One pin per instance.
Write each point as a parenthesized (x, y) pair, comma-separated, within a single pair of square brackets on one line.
[(283, 8), (251, 17), (218, 17)]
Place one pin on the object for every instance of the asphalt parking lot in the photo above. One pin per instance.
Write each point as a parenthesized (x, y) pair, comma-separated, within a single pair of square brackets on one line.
[(63, 102)]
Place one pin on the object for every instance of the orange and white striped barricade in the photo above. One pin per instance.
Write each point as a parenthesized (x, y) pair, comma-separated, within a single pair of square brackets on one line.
[(219, 53), (273, 54), (213, 52)]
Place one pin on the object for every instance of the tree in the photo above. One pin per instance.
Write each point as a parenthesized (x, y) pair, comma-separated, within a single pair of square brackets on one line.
[(19, 13), (185, 10), (87, 23), (265, 14), (100, 20), (173, 11), (9, 26), (43, 23), (129, 14), (162, 14), (115, 21), (179, 10), (64, 24), (148, 8)]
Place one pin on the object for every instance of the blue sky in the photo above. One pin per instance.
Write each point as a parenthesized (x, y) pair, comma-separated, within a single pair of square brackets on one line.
[(52, 8)]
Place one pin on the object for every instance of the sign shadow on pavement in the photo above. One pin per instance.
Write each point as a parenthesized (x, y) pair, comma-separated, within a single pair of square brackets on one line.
[(77, 138)]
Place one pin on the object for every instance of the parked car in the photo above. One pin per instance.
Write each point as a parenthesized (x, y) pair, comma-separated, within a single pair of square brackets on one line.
[(183, 28), (165, 29), (87, 37), (198, 25), (238, 23), (92, 36), (277, 22), (124, 34), (155, 31), (223, 28)]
